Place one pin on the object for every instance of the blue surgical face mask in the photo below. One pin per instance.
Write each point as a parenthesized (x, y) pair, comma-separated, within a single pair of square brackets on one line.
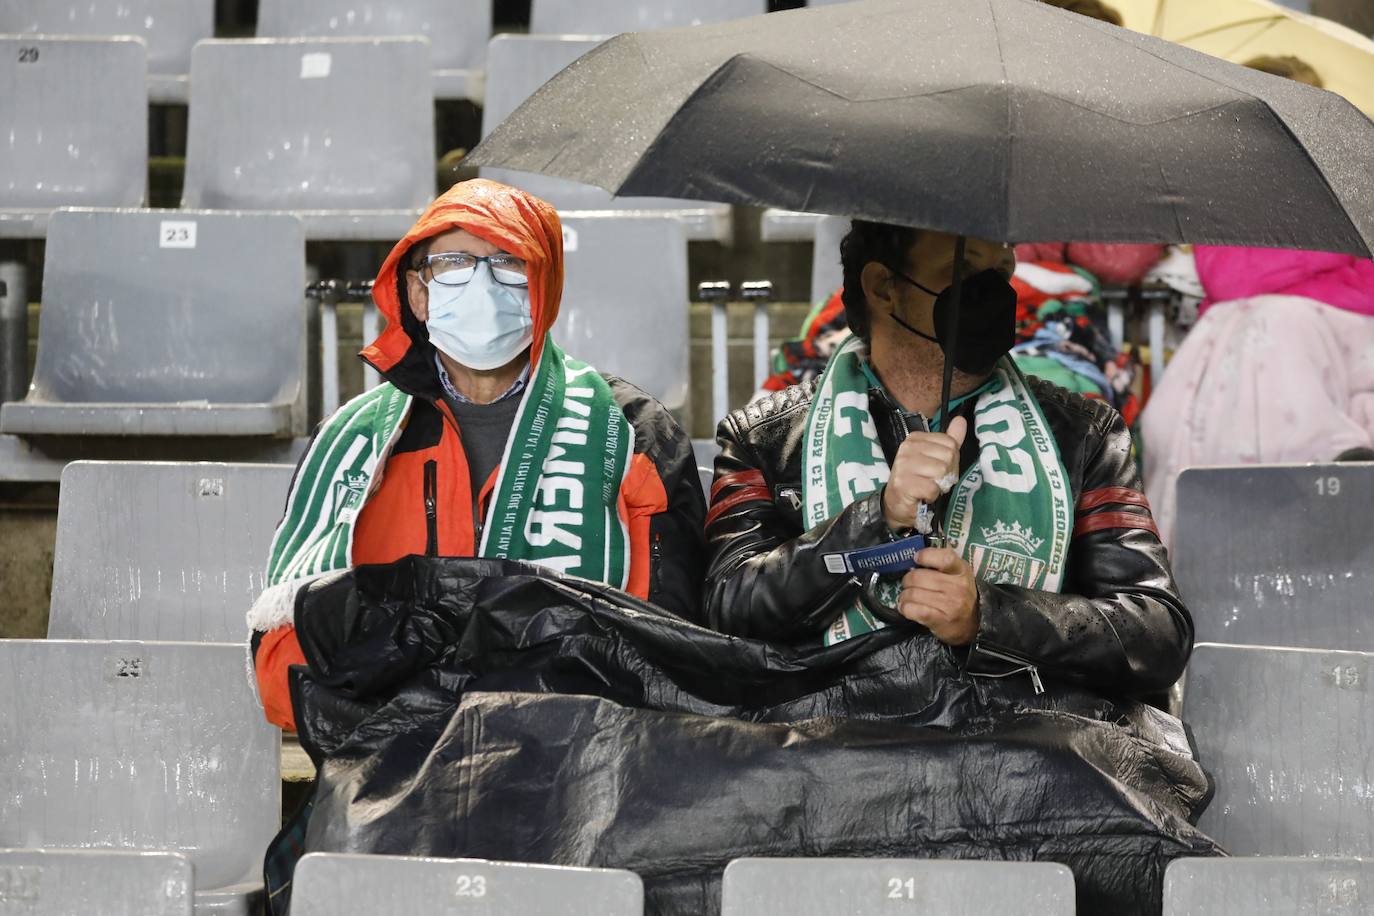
[(482, 324)]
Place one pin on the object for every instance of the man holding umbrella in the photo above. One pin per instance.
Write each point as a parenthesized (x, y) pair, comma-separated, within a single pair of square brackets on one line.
[(1053, 565)]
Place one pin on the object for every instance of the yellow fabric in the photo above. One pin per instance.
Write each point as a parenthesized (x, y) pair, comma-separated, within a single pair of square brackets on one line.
[(1239, 30)]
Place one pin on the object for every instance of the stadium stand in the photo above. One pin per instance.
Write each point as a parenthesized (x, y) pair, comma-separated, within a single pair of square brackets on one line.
[(160, 323), (76, 128), (826, 274), (162, 551), (610, 17), (1278, 555), (1288, 735), (109, 744), (65, 882), (305, 126), (628, 272), (870, 887), (458, 31), (517, 65), (352, 885), (1261, 886), (169, 28)]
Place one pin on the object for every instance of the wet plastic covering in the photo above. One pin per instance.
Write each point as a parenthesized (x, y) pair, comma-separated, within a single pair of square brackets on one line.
[(481, 708)]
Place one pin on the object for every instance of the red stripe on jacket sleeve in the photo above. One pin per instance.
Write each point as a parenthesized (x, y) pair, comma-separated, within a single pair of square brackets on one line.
[(738, 479), (747, 494), (1105, 520), (1106, 496)]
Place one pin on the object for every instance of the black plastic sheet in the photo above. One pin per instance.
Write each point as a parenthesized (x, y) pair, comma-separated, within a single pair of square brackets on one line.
[(481, 708)]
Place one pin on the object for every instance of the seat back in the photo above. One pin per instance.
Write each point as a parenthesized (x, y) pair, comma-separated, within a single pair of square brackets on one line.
[(307, 124), (827, 276), (878, 887), (165, 551), (191, 309), (343, 885), (138, 746), (169, 28), (1278, 555), (62, 882), (76, 122), (517, 65), (1269, 887), (1289, 736), (611, 17), (625, 300), (458, 30)]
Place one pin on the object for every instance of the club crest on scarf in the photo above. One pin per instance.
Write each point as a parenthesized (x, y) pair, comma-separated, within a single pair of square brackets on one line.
[(1017, 488)]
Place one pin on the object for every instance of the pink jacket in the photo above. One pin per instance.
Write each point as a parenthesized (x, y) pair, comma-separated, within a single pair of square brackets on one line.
[(1241, 273)]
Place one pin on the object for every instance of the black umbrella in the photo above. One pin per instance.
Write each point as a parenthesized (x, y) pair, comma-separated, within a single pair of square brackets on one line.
[(1001, 119)]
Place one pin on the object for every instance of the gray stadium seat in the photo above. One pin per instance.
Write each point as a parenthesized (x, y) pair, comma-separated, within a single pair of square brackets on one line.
[(625, 299), (705, 451), (611, 17), (458, 31), (134, 745), (826, 274), (788, 225), (1269, 887), (878, 887), (1278, 555), (309, 126), (165, 551), (1289, 736), (143, 334), (168, 27), (76, 127), (326, 884), (89, 882), (517, 65)]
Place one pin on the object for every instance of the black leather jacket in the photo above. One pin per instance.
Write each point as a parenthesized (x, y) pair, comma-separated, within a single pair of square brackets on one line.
[(1119, 625)]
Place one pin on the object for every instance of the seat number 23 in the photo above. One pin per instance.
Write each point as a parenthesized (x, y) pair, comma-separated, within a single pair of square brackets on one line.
[(470, 886)]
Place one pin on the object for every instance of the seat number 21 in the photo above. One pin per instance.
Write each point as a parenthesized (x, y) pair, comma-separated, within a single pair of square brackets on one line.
[(901, 889)]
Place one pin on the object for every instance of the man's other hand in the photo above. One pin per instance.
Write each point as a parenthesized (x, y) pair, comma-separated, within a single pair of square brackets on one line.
[(922, 460), (942, 596)]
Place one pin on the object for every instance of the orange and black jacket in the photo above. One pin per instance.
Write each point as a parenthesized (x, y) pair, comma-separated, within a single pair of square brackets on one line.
[(425, 504)]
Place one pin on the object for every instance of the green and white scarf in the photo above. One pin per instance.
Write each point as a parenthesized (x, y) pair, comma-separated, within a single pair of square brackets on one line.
[(555, 501), (1010, 516)]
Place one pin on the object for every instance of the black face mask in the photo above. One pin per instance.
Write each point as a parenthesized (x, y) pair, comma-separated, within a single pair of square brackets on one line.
[(987, 320)]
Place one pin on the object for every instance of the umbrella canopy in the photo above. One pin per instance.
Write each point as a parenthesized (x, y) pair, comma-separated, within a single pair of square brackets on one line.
[(1239, 30), (1001, 119)]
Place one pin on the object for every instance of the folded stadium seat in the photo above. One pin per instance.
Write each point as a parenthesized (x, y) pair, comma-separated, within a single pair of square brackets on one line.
[(168, 27), (826, 273), (1288, 734), (625, 300), (326, 884), (76, 127), (877, 887), (158, 550), (168, 323), (1278, 555), (517, 65), (129, 745), (64, 882), (706, 451), (610, 17), (458, 31), (1261, 886), (339, 131)]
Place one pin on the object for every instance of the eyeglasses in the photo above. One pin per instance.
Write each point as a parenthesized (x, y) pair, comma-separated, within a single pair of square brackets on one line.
[(457, 268)]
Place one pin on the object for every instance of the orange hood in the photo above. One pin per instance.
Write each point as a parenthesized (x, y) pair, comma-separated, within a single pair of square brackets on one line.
[(508, 218)]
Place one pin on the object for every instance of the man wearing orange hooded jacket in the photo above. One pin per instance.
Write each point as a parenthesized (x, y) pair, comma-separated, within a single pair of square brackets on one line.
[(485, 439)]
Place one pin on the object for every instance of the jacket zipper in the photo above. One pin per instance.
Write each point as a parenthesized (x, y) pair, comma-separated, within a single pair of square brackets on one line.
[(1023, 667), (432, 508)]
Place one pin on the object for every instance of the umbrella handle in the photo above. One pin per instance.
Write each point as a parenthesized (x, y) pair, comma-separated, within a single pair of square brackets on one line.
[(949, 348)]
